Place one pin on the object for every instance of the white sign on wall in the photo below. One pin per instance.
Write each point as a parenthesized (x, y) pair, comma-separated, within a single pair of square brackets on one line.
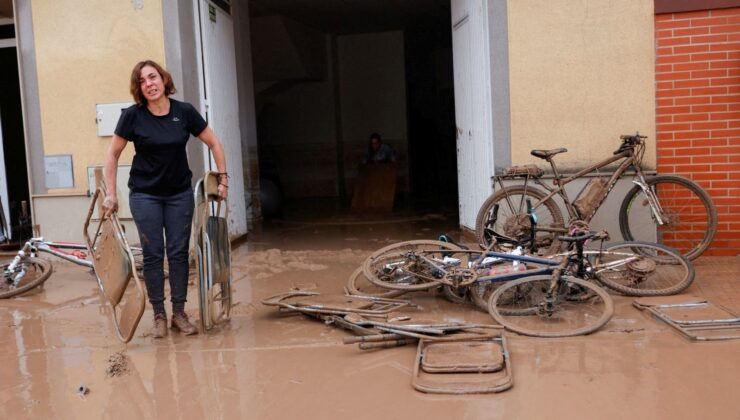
[(58, 171)]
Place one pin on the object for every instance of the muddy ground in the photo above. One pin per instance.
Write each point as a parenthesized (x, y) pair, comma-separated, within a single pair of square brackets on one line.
[(265, 366)]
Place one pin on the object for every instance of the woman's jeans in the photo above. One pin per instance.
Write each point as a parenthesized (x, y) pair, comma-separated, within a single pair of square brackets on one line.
[(161, 220)]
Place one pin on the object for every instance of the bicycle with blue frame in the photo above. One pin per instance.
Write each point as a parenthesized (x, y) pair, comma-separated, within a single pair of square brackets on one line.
[(554, 296)]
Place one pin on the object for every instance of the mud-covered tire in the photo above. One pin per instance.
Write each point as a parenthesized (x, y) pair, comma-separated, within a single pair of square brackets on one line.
[(654, 270), (380, 267), (594, 311), (691, 212), (355, 287), (38, 270), (515, 210)]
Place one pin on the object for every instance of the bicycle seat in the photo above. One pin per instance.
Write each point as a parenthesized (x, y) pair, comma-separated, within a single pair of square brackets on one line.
[(546, 154)]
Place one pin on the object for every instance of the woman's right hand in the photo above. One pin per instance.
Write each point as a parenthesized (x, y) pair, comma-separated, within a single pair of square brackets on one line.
[(110, 205)]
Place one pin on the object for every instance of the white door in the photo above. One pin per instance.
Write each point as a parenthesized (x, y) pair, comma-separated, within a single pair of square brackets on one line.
[(471, 66), (4, 189), (219, 93)]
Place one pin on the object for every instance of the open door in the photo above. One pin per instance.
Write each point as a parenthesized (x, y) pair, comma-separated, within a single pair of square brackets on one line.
[(219, 94)]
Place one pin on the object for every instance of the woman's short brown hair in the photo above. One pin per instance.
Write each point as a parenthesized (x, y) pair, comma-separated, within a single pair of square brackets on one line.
[(169, 85)]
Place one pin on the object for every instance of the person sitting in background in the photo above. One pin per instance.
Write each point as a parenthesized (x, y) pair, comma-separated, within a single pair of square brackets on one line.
[(378, 152)]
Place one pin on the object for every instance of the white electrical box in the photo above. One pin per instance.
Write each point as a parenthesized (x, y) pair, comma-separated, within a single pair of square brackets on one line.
[(106, 116)]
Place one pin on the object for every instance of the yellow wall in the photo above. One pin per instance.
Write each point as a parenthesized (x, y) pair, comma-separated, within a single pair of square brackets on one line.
[(581, 74), (85, 50)]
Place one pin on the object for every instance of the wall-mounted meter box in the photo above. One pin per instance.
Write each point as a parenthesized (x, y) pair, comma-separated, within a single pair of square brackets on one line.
[(106, 116)]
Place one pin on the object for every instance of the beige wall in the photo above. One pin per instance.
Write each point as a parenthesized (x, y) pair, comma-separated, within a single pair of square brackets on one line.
[(85, 50), (581, 74)]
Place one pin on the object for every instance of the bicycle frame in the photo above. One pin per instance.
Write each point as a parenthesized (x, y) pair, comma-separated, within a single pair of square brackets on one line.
[(629, 160), (35, 245)]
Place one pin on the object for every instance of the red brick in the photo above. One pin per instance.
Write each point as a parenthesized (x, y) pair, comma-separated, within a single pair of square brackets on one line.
[(708, 125), (733, 19), (691, 135), (733, 11), (733, 37), (733, 107), (724, 29), (710, 142), (707, 91), (664, 85), (673, 144), (678, 84), (726, 116), (686, 32), (675, 160), (690, 117), (711, 56), (734, 167), (708, 39), (725, 99), (709, 176), (693, 100), (661, 119), (726, 184), (665, 168), (690, 49), (709, 108), (668, 33), (732, 55), (682, 92), (670, 24), (708, 73), (728, 64), (734, 159), (693, 151), (674, 127), (709, 159), (692, 168), (733, 89), (705, 22), (673, 110), (691, 66), (673, 76), (664, 136), (664, 51), (728, 150), (664, 68), (726, 81), (675, 59), (725, 47), (664, 17), (666, 42), (668, 102), (733, 72), (692, 15)]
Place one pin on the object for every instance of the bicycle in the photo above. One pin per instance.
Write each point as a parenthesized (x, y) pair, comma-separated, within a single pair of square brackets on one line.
[(540, 296), (27, 270), (679, 210)]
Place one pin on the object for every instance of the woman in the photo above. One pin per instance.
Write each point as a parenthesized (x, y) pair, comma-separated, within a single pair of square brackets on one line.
[(161, 195)]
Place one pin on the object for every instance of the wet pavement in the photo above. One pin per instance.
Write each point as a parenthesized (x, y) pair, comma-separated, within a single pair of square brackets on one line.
[(262, 365)]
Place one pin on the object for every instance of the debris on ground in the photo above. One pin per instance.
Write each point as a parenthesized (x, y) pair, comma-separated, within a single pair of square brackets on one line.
[(117, 365), (82, 390)]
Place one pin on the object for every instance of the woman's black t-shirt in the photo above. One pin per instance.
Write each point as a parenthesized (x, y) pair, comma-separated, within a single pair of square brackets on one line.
[(160, 165)]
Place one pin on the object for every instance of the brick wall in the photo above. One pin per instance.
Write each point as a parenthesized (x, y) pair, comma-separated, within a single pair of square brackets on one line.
[(698, 109)]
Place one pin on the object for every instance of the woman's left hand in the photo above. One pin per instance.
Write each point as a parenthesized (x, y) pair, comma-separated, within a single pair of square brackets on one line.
[(223, 192)]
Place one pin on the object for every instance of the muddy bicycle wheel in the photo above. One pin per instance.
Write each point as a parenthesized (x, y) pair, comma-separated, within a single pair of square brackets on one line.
[(643, 269), (512, 220), (33, 271), (576, 307), (691, 217), (359, 285), (406, 265), (457, 295)]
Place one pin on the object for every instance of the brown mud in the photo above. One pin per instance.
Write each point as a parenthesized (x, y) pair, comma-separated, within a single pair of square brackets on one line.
[(263, 365)]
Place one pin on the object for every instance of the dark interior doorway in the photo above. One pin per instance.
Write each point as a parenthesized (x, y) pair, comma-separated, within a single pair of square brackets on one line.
[(312, 60), (11, 118)]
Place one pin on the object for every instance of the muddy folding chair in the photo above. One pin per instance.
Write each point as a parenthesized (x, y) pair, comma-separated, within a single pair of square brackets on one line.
[(114, 266), (316, 304), (212, 252), (467, 366), (695, 318)]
